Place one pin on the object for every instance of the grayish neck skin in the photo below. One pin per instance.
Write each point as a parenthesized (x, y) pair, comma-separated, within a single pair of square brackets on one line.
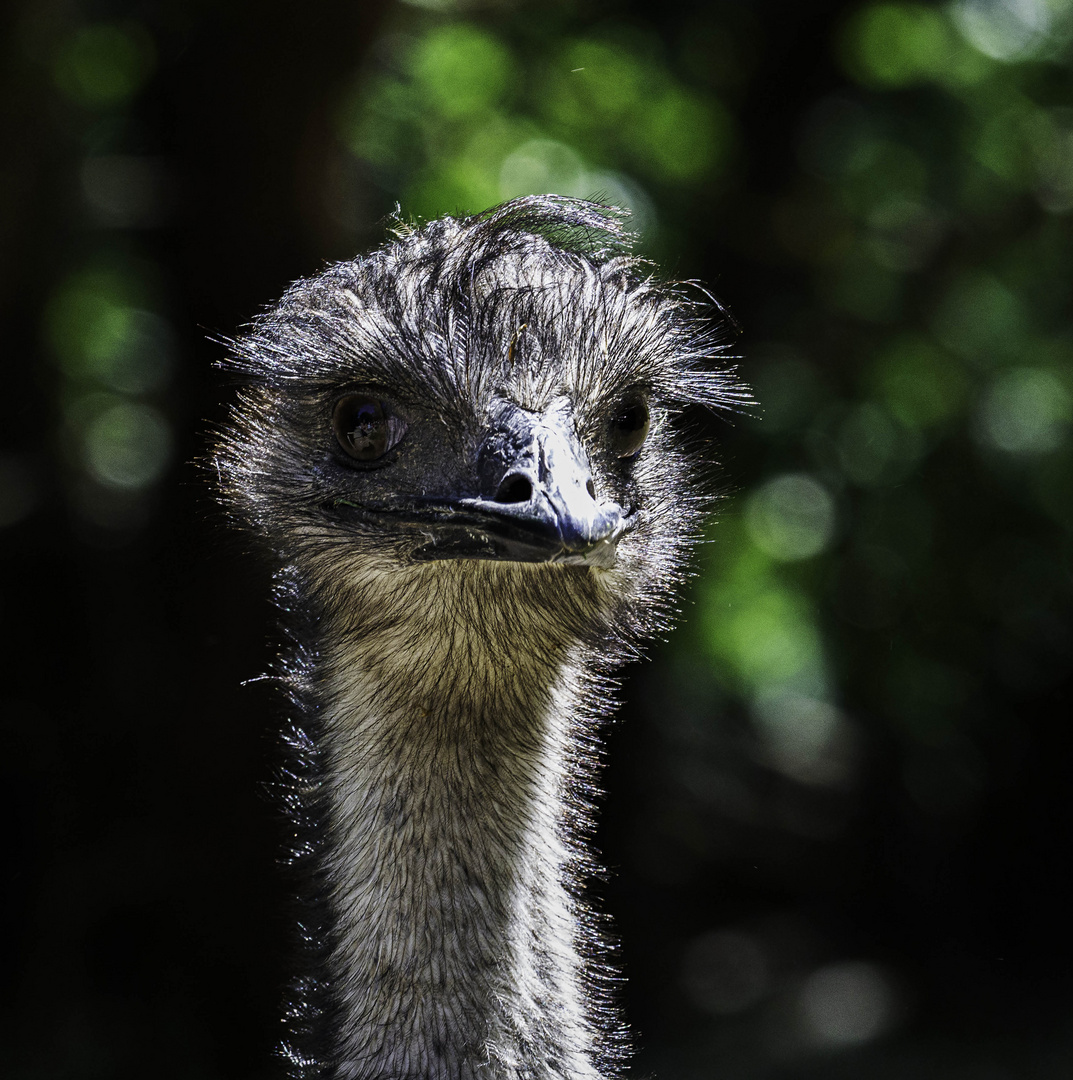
[(447, 760)]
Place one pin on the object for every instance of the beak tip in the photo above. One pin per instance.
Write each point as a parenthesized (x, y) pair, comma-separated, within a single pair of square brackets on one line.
[(582, 532)]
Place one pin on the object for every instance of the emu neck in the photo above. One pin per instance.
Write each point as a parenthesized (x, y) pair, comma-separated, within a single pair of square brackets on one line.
[(452, 927)]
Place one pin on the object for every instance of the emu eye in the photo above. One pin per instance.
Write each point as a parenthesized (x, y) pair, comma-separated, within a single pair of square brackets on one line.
[(629, 426), (365, 427)]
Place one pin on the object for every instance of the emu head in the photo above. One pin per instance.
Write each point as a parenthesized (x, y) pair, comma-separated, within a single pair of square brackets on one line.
[(489, 400)]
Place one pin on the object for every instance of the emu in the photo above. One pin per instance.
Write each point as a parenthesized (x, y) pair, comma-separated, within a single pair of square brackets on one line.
[(464, 456)]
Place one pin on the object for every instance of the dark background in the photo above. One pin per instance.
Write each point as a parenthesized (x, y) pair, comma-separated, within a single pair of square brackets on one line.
[(837, 807)]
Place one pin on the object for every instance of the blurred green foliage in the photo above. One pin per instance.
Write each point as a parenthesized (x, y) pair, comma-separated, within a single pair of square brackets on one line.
[(921, 380), (463, 114), (116, 357), (114, 351), (862, 687), (103, 65)]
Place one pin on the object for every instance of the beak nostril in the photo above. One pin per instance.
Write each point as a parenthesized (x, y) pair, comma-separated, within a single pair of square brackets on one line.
[(590, 487), (514, 489)]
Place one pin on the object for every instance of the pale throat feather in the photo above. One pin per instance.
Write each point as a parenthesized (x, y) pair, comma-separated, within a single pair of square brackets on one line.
[(449, 755)]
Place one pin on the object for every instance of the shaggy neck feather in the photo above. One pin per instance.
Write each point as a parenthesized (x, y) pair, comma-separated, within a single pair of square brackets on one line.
[(452, 925)]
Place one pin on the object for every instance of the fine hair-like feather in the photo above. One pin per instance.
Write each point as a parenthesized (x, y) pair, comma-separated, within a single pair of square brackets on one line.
[(446, 697)]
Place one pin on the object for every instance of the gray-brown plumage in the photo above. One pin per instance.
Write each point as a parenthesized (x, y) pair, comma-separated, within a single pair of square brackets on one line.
[(461, 451)]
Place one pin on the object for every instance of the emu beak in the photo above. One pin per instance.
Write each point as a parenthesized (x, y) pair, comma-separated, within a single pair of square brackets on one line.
[(537, 500)]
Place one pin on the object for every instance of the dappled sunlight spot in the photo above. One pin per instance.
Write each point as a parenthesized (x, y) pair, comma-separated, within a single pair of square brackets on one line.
[(767, 638), (542, 165), (104, 64), (1016, 143), (791, 517), (921, 384), (455, 118), (489, 143), (468, 180), (128, 445), (775, 640), (902, 44), (1004, 30), (600, 80), (683, 136), (436, 5), (899, 44), (100, 337), (459, 69), (999, 144), (759, 628), (847, 1004), (463, 185), (604, 89), (1025, 411), (434, 124), (724, 972), (547, 165), (806, 738), (980, 318)]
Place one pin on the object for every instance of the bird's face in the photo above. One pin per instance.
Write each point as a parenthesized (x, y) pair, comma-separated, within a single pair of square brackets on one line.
[(465, 398), (517, 485)]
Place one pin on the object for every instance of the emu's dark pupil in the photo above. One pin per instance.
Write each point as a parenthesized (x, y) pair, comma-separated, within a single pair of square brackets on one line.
[(629, 428), (361, 427)]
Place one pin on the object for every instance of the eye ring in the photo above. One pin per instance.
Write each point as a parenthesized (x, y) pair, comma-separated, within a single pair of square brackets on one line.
[(629, 426), (365, 427)]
